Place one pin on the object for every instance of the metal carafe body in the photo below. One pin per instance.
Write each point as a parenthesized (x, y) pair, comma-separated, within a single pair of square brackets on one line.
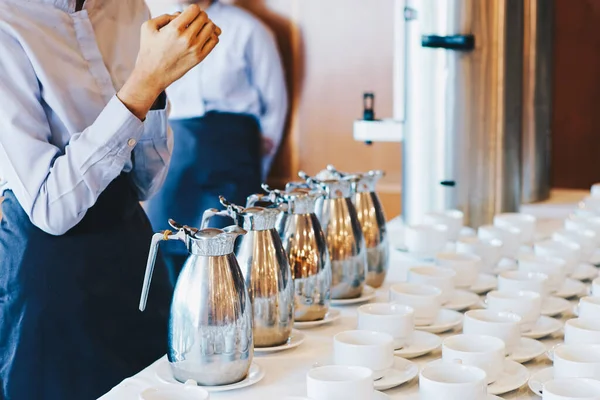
[(304, 243), (372, 222), (266, 272), (462, 138), (210, 326), (344, 237)]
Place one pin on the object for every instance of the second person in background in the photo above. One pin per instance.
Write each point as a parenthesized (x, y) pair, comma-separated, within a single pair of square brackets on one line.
[(228, 116)]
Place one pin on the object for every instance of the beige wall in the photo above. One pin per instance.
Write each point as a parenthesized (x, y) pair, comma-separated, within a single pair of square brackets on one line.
[(333, 51)]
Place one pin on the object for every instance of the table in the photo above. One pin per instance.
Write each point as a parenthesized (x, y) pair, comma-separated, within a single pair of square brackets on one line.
[(286, 371)]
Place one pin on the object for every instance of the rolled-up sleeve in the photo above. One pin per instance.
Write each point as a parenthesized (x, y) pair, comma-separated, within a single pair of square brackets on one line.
[(54, 187), (152, 154)]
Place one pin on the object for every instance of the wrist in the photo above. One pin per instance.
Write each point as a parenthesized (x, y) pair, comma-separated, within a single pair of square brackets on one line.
[(139, 93)]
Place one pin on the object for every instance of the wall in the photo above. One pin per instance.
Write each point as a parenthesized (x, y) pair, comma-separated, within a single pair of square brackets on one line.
[(576, 103), (333, 51)]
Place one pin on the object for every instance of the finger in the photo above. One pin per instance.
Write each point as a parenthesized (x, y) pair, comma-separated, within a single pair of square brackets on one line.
[(218, 31), (207, 31), (160, 21), (210, 44), (197, 25), (186, 17)]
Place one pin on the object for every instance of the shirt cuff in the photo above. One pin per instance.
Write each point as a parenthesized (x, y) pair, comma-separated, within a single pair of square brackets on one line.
[(156, 131), (116, 130), (117, 127)]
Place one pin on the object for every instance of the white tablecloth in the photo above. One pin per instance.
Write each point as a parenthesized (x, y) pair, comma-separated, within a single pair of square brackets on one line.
[(286, 371)]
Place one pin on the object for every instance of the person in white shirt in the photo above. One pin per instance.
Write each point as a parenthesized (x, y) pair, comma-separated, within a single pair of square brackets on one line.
[(228, 116), (83, 138)]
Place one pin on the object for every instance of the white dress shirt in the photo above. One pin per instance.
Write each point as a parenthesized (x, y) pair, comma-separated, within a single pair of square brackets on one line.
[(243, 75), (64, 135)]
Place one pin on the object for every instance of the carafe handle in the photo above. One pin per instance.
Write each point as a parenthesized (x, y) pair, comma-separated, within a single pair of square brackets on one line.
[(212, 212), (156, 239)]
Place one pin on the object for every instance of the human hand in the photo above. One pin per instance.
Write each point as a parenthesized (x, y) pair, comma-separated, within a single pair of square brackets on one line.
[(170, 46)]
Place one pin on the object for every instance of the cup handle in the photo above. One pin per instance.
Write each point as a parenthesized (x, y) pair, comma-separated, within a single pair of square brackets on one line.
[(191, 382)]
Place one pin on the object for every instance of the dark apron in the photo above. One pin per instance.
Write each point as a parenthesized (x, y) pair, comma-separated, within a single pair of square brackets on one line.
[(70, 327), (217, 154)]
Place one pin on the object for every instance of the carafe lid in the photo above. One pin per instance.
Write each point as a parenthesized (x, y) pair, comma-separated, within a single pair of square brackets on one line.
[(213, 241), (251, 218)]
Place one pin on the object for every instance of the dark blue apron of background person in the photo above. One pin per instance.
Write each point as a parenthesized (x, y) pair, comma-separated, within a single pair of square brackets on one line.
[(70, 327), (217, 154)]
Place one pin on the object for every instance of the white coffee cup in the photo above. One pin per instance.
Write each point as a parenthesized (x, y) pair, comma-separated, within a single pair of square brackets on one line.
[(526, 304), (466, 266), (425, 240), (509, 236), (396, 320), (582, 331), (595, 190), (554, 267), (339, 382), (505, 326), (589, 307), (453, 219), (485, 352), (441, 278), (571, 389), (568, 251), (425, 300), (579, 223), (522, 280), (595, 287), (591, 204), (490, 251), (585, 238), (577, 361), (524, 222), (374, 350), (452, 382)]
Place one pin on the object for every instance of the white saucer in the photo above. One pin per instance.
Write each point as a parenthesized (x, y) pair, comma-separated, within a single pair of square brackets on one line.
[(585, 272), (402, 372), (461, 300), (513, 377), (553, 305), (255, 374), (527, 350), (570, 288), (170, 392), (422, 343), (332, 315), (484, 283), (416, 396), (295, 340), (545, 326), (445, 320), (537, 380), (367, 294)]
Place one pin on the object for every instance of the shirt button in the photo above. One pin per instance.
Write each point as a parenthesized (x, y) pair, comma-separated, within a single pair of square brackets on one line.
[(131, 142)]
